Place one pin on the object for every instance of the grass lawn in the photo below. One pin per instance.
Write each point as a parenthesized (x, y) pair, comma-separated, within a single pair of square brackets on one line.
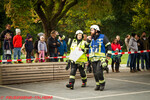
[(124, 59)]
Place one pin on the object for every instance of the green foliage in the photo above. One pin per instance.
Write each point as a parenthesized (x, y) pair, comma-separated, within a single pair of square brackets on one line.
[(3, 18), (115, 17), (141, 19)]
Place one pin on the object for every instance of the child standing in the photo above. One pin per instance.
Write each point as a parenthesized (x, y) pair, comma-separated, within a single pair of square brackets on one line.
[(8, 46), (36, 46), (17, 43), (29, 48), (42, 48)]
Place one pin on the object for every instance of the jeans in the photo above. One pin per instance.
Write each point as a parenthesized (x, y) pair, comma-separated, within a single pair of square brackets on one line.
[(145, 56), (138, 60), (17, 51), (133, 62), (54, 55), (129, 60)]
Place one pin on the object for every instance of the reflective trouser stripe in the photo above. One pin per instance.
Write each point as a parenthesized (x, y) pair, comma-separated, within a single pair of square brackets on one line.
[(83, 78), (97, 83), (101, 81), (73, 77)]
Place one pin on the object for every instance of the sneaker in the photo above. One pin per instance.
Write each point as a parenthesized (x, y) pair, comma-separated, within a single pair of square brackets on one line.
[(138, 69), (20, 62), (15, 62), (135, 70), (131, 71)]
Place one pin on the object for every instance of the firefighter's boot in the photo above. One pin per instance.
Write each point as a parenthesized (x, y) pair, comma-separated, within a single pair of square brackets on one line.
[(70, 85), (97, 87), (102, 86)]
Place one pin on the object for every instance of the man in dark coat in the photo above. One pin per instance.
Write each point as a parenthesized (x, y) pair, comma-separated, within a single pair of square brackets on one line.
[(52, 45)]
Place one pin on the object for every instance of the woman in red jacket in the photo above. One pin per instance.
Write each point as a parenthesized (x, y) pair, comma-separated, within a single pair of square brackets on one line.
[(116, 58)]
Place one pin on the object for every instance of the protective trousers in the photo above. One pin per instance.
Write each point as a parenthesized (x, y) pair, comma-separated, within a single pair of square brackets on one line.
[(98, 72), (74, 68)]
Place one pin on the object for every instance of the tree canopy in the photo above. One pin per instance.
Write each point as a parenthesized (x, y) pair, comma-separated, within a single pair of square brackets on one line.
[(115, 17)]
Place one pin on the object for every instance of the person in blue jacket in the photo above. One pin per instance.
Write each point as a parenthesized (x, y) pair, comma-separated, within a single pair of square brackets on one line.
[(63, 48)]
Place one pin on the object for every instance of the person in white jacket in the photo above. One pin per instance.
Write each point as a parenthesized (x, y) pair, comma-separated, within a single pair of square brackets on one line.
[(133, 47)]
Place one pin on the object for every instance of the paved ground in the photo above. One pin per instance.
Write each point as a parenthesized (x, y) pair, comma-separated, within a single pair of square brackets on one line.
[(119, 86)]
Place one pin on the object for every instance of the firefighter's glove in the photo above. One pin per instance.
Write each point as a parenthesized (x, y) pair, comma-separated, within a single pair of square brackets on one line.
[(103, 62), (68, 65)]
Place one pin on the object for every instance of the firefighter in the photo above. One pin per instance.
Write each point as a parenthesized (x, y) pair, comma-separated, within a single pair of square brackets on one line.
[(99, 52), (80, 63)]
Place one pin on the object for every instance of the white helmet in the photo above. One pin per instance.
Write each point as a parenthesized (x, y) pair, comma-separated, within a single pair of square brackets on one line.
[(96, 27), (79, 31)]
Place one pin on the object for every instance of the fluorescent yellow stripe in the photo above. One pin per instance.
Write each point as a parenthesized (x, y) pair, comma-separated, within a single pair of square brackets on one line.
[(101, 81), (99, 47), (110, 52), (83, 78), (73, 77), (63, 37), (107, 44), (97, 83), (69, 41)]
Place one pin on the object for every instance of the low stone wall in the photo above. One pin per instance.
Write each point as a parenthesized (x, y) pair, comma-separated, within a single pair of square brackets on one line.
[(34, 72)]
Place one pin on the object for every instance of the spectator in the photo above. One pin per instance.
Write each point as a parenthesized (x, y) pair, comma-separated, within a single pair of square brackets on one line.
[(8, 47), (85, 37), (63, 48), (53, 44), (133, 47), (7, 30), (36, 46), (145, 55), (29, 48), (116, 58), (140, 47), (23, 49), (119, 41), (42, 48), (17, 43), (127, 39), (2, 36)]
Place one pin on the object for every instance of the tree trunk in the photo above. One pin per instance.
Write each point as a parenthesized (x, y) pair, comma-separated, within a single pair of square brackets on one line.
[(48, 28), (50, 20)]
